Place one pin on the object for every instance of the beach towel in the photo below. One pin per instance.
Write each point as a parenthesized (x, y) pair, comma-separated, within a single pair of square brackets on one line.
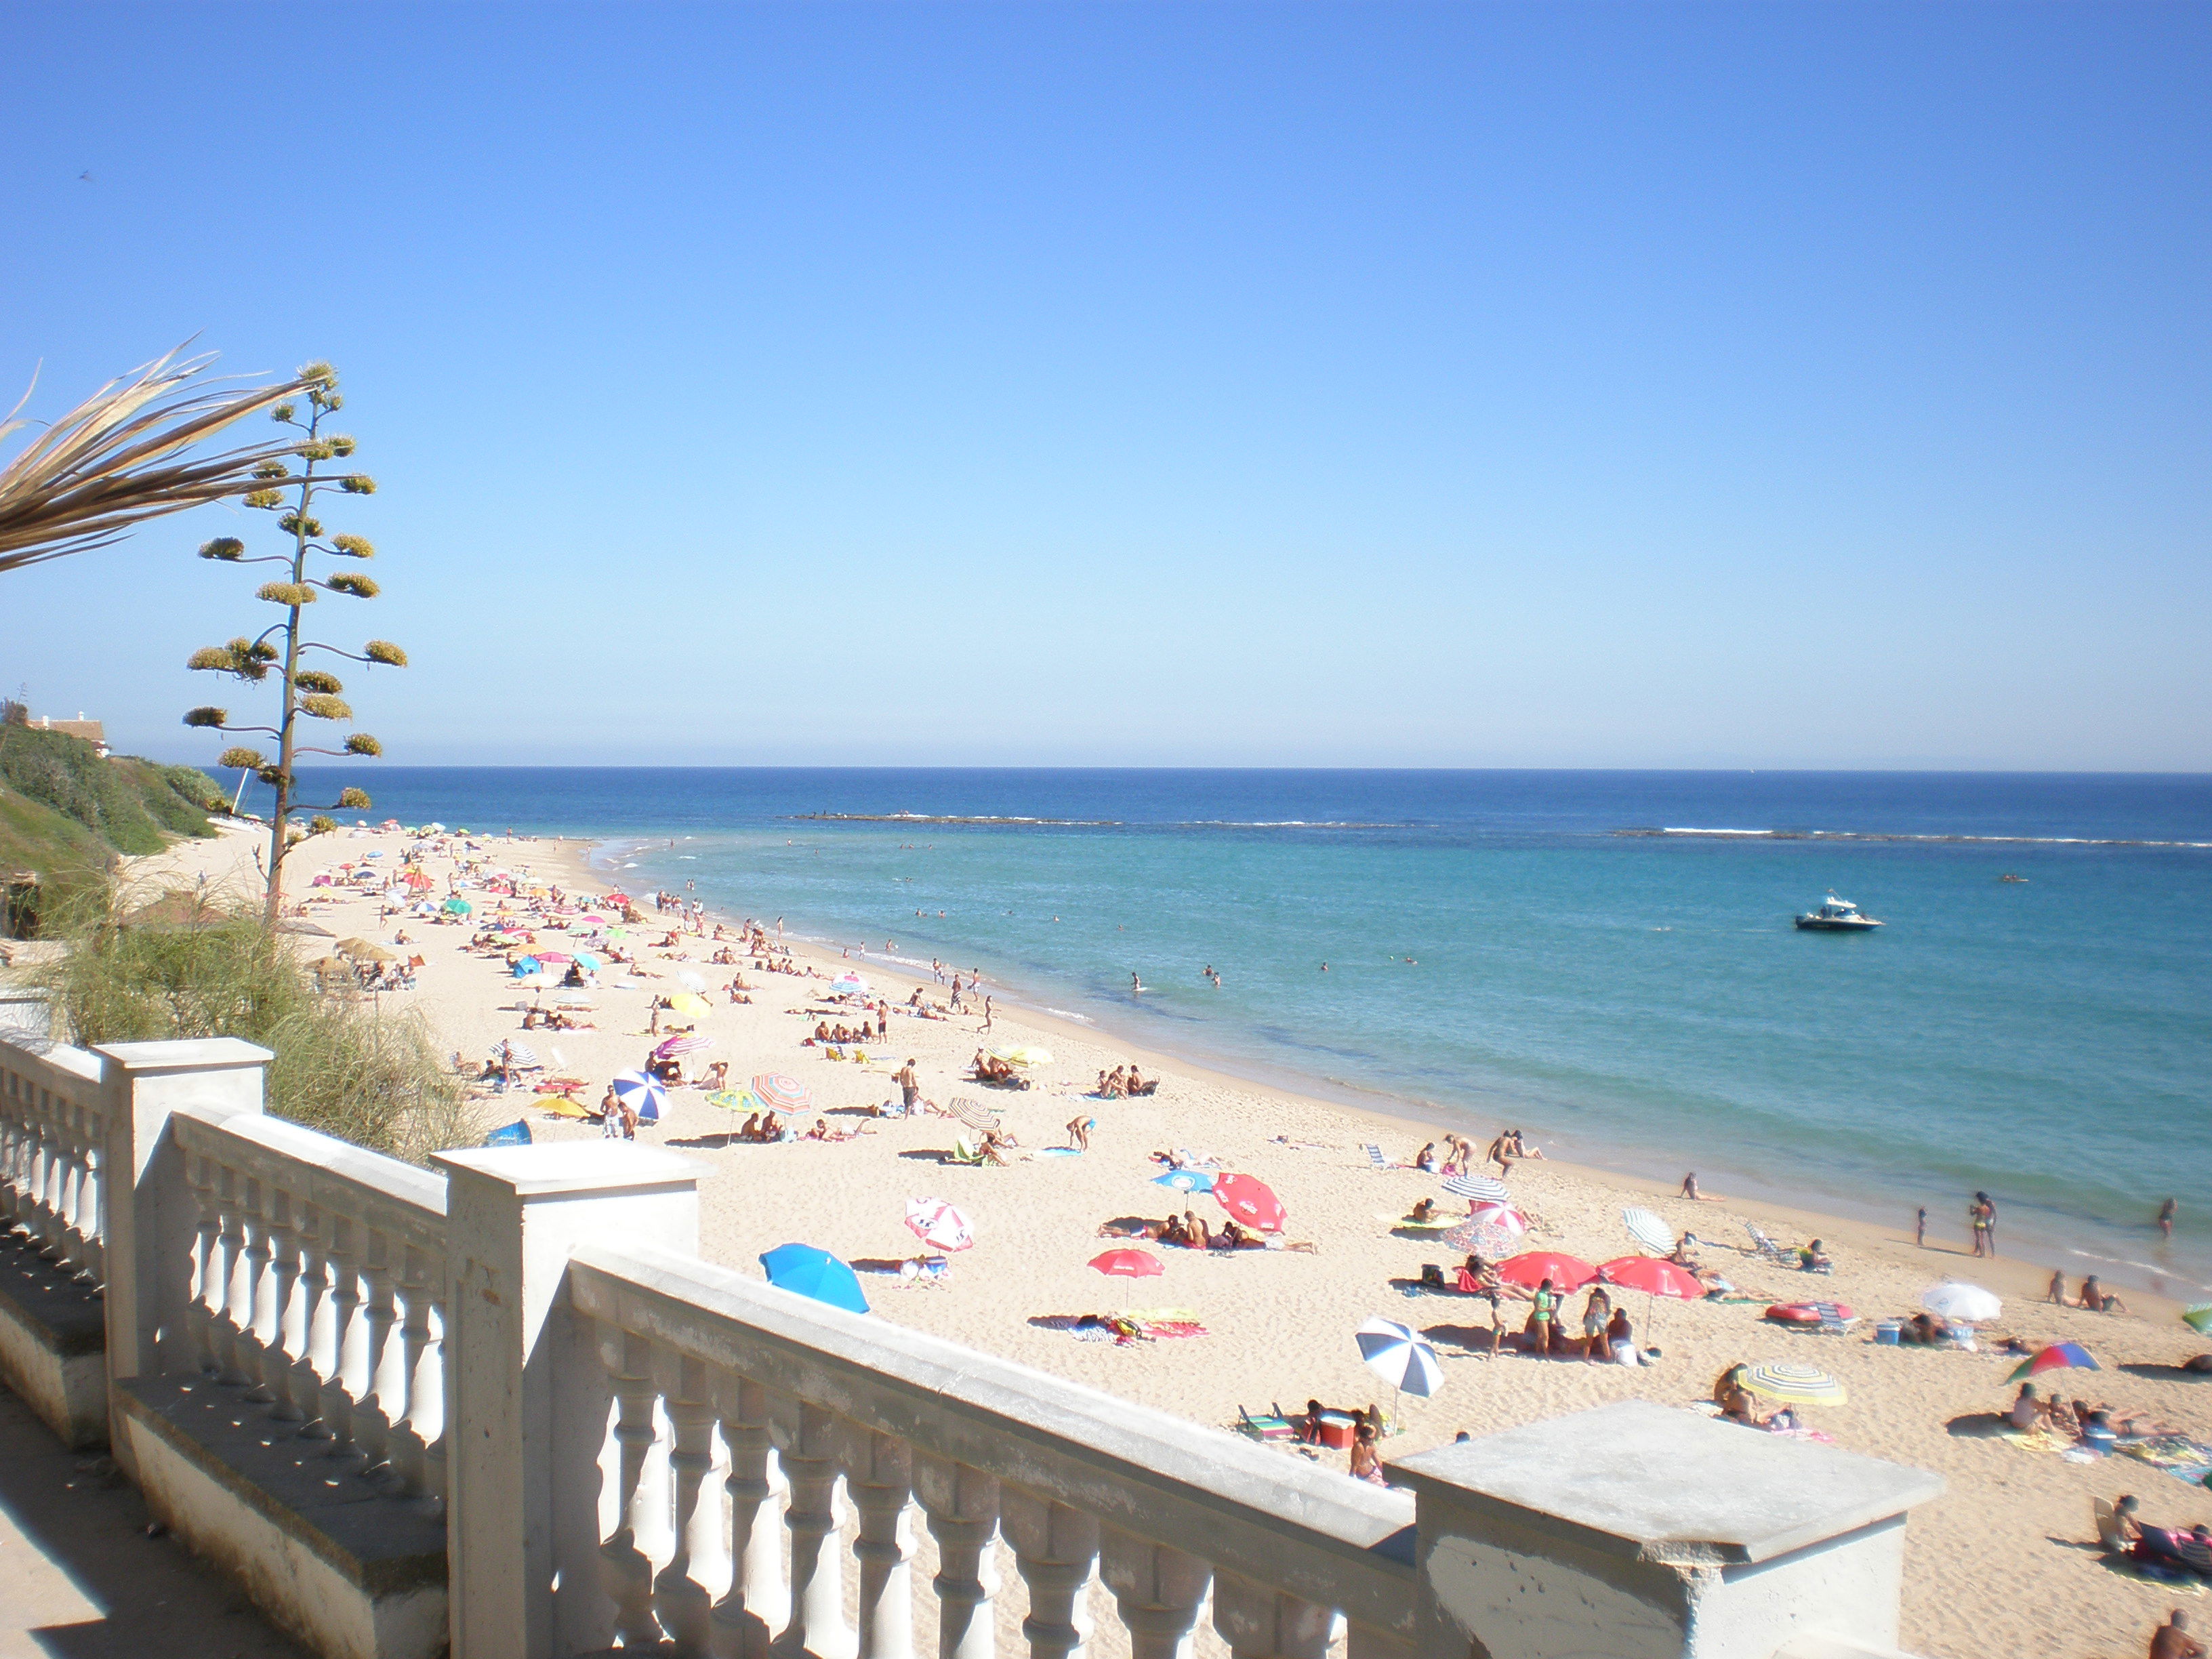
[(2176, 1453)]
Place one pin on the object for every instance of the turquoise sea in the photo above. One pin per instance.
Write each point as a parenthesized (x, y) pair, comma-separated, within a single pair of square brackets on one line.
[(1605, 958)]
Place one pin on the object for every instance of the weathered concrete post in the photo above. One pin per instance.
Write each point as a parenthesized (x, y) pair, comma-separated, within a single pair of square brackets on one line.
[(1644, 1531), (527, 1395), (150, 1214)]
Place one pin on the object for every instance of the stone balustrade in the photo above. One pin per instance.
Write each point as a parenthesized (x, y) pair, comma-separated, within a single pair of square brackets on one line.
[(53, 1135), (649, 1449)]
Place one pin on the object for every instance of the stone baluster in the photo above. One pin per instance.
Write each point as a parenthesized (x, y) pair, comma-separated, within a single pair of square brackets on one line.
[(372, 1414), (758, 1604), (50, 1185), (284, 1340), (94, 1265), (234, 1311), (207, 1292), (879, 1480), (252, 1352), (75, 1219), (410, 1440), (311, 1360), (626, 1558), (963, 1507), (1157, 1590), (806, 1440), (349, 1335), (1056, 1551), (1261, 1622), (434, 1424), (683, 1592)]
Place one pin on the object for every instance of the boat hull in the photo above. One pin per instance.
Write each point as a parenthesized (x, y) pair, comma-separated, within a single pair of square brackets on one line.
[(1836, 925)]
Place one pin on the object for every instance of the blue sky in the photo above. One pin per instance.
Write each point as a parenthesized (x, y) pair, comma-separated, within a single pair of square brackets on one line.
[(1780, 386)]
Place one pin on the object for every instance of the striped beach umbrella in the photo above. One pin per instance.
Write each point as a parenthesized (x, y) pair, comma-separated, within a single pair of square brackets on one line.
[(642, 1094), (2059, 1357), (848, 984), (780, 1093), (519, 1055), (1481, 1187), (1401, 1356), (1501, 1219), (1794, 1384), (1648, 1230), (682, 1045), (974, 1113)]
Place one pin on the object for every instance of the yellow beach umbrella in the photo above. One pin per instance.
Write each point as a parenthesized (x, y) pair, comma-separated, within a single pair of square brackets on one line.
[(564, 1106), (690, 1002)]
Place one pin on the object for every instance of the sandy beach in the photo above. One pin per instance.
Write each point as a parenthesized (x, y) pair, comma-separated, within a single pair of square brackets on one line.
[(1995, 1565)]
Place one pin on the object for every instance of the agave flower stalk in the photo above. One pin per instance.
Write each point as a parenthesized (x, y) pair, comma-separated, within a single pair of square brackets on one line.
[(305, 692), (118, 458)]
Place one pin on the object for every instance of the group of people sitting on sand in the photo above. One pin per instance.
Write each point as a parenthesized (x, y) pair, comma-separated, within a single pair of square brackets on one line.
[(841, 1033), (1124, 1081), (2085, 1422), (2169, 1552), (990, 1068), (2094, 1297), (1187, 1231), (762, 1128)]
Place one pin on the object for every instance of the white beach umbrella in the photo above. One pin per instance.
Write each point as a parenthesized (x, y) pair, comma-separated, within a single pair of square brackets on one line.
[(642, 1094), (1955, 1299), (1648, 1230), (1481, 1186), (1401, 1356)]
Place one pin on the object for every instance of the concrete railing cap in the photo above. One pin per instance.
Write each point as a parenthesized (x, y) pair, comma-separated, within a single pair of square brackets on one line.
[(1670, 1482), (188, 1053), (575, 1166)]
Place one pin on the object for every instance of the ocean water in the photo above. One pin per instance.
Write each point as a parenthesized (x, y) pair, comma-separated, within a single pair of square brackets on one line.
[(1604, 958)]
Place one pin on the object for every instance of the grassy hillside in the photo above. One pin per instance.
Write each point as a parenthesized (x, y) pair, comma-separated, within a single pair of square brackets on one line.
[(65, 812)]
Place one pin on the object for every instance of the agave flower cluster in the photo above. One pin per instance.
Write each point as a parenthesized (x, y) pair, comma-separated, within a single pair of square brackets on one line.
[(309, 692)]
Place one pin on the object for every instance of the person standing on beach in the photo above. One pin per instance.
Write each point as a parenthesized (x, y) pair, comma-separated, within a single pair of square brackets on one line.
[(1920, 1228), (986, 1013), (2167, 1212), (1982, 1217)]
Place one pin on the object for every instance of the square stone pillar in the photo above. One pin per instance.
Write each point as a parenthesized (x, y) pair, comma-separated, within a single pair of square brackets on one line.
[(149, 1217), (525, 1394), (1645, 1532)]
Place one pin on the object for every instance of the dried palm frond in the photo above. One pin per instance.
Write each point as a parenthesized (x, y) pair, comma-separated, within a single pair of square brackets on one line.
[(117, 459)]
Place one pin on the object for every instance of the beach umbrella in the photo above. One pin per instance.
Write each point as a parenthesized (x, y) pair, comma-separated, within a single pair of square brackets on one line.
[(642, 1094), (1186, 1180), (1401, 1356), (682, 1045), (1028, 1054), (592, 920), (974, 1113), (2198, 1318), (1794, 1384), (691, 981), (517, 1054), (734, 1101), (1653, 1275), (1968, 1303), (457, 907), (938, 1224), (780, 1093), (2059, 1357), (361, 950), (589, 962), (564, 1106), (1129, 1264), (1648, 1230), (554, 957), (1481, 1187), (848, 984), (690, 1002), (301, 924), (1250, 1200), (805, 1271), (526, 966), (1533, 1268), (1501, 1219)]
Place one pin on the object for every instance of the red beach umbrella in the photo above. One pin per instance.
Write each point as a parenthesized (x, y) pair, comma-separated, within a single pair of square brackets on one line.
[(1533, 1268), (1129, 1264), (1250, 1200), (1654, 1276)]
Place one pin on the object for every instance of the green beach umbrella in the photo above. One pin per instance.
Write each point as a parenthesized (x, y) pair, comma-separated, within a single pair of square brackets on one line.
[(2198, 1318)]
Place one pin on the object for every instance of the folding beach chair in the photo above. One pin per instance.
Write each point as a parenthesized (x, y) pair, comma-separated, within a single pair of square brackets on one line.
[(1374, 1157), (1768, 1250), (1268, 1425)]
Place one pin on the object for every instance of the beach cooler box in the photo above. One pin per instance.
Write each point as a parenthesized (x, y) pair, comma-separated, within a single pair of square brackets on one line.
[(1334, 1431), (1886, 1331)]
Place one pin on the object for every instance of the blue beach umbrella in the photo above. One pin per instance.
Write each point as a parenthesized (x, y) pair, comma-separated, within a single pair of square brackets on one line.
[(642, 1094), (805, 1271), (1186, 1180)]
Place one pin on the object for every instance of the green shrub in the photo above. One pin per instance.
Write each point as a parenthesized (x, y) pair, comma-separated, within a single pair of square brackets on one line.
[(341, 1065)]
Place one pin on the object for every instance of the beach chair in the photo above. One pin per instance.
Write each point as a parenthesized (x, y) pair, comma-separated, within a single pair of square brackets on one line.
[(1374, 1157), (1767, 1251), (1268, 1425)]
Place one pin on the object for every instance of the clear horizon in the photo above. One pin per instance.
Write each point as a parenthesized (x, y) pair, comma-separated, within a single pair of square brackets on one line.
[(1470, 388)]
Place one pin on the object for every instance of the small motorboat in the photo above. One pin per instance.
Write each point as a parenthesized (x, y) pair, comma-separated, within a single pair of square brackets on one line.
[(1837, 916)]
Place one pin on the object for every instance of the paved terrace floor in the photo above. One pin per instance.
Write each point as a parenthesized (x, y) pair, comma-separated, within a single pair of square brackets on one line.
[(79, 1577)]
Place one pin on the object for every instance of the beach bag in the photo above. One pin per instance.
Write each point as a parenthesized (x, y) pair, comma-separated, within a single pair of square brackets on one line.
[(1432, 1274)]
